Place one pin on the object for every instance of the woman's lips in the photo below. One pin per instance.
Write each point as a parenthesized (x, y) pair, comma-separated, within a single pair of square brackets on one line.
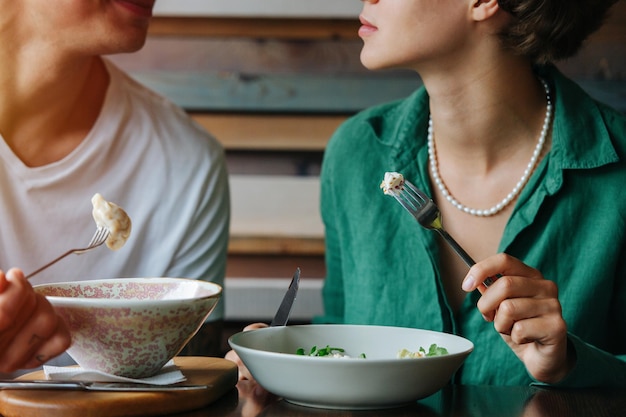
[(366, 27)]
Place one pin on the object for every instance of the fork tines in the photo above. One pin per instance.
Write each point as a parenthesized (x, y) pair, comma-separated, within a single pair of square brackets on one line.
[(99, 237), (416, 193), (411, 198)]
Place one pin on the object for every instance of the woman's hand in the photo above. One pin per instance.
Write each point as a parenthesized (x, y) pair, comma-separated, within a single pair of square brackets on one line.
[(254, 398), (231, 355), (525, 309), (31, 332)]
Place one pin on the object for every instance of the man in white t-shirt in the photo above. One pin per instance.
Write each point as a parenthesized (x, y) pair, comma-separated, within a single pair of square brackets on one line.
[(72, 125)]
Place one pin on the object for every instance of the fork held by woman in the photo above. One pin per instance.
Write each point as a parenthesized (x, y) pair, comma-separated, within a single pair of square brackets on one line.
[(427, 214)]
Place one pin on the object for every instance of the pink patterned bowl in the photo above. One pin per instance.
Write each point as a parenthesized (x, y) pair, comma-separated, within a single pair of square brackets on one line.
[(131, 327)]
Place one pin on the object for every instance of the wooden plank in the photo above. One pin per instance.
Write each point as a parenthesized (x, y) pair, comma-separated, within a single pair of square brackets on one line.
[(273, 132), (281, 93), (277, 28), (259, 9), (275, 215), (275, 206), (245, 55), (263, 265), (275, 245), (312, 94), (259, 161), (256, 298)]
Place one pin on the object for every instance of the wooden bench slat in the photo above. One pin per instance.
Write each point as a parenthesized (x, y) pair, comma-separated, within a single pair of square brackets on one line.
[(270, 132), (276, 28), (275, 245), (276, 93), (309, 94)]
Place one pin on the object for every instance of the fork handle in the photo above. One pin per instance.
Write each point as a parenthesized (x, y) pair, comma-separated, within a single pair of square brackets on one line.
[(463, 255), (457, 248), (29, 276)]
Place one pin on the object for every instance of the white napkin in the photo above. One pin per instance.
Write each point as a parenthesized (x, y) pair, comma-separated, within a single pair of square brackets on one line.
[(169, 374)]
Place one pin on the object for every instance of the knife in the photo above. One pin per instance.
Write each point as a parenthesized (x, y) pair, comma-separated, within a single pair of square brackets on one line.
[(282, 315), (39, 384)]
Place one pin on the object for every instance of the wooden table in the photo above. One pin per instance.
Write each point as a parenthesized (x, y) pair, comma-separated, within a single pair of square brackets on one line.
[(452, 401)]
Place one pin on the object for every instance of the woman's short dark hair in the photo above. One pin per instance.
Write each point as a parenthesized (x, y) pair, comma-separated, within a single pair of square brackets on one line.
[(551, 30)]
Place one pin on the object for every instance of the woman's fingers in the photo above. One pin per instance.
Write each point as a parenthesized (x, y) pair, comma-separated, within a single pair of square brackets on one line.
[(255, 326), (526, 311), (509, 290), (526, 319), (243, 371), (497, 266), (231, 355)]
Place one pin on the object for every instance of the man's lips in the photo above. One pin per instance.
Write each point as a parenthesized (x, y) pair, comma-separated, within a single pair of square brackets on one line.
[(139, 7), (366, 28)]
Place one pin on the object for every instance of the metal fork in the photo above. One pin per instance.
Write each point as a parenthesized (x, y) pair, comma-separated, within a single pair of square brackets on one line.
[(99, 237), (427, 214)]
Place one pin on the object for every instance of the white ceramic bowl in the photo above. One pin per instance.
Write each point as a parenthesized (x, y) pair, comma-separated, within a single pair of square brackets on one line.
[(131, 326), (381, 380)]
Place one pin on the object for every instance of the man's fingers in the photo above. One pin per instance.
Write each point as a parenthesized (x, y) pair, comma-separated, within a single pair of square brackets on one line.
[(41, 336)]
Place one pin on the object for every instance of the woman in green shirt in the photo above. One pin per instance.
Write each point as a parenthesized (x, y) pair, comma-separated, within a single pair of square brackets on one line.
[(528, 172)]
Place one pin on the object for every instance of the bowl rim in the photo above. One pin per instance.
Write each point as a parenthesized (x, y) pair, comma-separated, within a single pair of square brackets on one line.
[(266, 353), (83, 301)]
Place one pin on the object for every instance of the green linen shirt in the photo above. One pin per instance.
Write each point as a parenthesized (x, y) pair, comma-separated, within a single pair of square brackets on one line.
[(568, 222)]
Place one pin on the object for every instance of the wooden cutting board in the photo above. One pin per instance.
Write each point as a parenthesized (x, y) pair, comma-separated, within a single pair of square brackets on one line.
[(219, 374)]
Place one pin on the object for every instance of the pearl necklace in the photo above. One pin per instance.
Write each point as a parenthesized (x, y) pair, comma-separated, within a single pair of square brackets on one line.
[(520, 184)]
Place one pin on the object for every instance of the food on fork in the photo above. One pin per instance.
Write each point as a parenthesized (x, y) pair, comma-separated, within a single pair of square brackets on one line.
[(113, 218), (393, 183)]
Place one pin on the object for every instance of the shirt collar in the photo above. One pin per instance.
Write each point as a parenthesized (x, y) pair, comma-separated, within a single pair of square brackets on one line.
[(580, 139)]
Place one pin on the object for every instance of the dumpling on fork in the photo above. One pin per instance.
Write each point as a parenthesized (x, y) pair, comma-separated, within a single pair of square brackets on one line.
[(113, 218)]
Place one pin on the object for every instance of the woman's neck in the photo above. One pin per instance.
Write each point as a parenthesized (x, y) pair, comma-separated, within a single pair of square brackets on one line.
[(479, 121)]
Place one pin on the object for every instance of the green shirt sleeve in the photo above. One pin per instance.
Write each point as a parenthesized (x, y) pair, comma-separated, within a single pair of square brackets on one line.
[(594, 367)]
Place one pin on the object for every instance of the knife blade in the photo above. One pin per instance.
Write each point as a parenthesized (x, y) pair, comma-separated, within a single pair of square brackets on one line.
[(282, 315), (45, 384)]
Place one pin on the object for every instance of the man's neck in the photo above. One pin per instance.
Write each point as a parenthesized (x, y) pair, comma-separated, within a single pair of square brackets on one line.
[(48, 106)]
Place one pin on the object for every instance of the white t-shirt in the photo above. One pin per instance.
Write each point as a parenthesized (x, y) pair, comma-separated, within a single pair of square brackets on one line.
[(144, 154)]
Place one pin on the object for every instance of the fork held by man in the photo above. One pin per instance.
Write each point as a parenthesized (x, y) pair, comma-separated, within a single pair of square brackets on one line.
[(99, 237)]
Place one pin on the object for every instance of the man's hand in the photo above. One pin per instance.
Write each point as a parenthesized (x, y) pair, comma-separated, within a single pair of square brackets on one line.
[(31, 332)]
